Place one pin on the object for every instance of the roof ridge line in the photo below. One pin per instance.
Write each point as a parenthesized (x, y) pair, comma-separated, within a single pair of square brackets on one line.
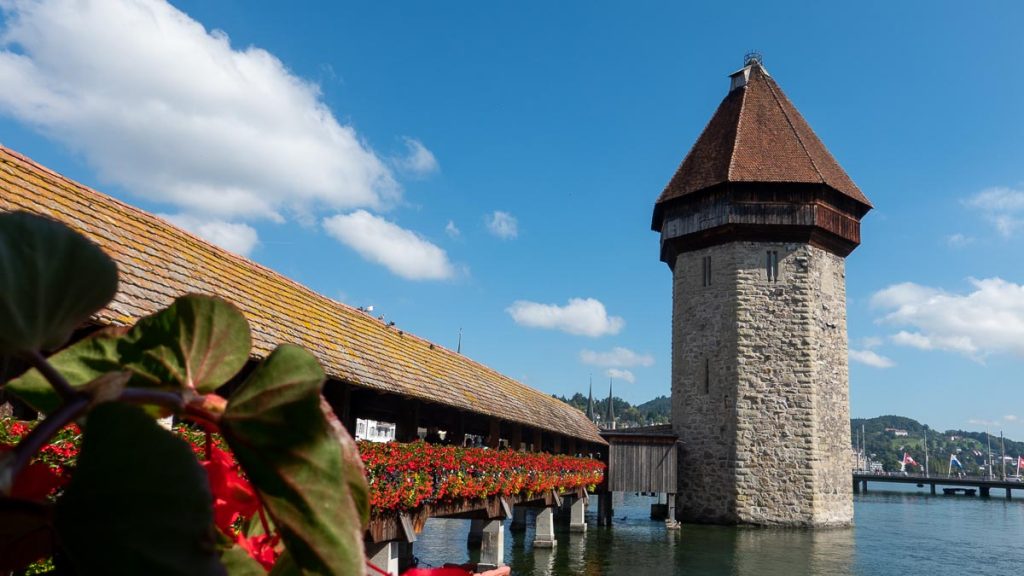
[(796, 133), (736, 138)]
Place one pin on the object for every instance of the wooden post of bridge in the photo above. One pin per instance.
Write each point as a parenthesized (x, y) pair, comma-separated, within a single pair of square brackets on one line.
[(538, 440), (407, 427), (494, 435), (516, 440), (557, 447)]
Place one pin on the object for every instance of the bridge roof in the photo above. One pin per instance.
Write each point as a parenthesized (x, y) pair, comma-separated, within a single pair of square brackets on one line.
[(158, 262)]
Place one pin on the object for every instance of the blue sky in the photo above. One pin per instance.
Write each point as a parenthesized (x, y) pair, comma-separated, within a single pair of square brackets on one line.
[(492, 167)]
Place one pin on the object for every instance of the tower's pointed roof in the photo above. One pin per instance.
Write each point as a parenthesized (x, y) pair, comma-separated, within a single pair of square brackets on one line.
[(757, 135)]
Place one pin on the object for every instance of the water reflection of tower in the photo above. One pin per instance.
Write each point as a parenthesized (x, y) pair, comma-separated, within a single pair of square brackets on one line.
[(794, 551)]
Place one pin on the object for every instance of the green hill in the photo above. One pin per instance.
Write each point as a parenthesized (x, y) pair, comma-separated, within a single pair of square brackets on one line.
[(885, 443)]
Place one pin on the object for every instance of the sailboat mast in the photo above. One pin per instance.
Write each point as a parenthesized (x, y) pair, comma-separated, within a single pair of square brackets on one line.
[(1002, 445), (988, 457), (925, 452)]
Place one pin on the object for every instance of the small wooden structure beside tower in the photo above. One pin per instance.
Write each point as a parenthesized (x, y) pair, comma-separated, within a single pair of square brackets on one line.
[(755, 226)]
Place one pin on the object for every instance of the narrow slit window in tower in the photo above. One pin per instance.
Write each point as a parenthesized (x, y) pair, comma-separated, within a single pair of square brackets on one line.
[(772, 265), (707, 376), (707, 270)]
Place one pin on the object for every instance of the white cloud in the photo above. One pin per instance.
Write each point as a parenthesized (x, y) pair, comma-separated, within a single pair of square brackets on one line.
[(503, 225), (958, 240), (581, 316), (1010, 418), (452, 230), (232, 236), (616, 357), (870, 342), (419, 161), (871, 358), (982, 422), (987, 320), (1002, 206), (399, 250), (621, 375), (169, 110)]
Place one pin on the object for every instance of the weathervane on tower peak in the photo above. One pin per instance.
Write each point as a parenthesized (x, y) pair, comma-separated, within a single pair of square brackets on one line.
[(753, 57)]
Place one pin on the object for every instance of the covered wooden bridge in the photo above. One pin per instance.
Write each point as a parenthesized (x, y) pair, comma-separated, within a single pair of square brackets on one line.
[(375, 370), (643, 459)]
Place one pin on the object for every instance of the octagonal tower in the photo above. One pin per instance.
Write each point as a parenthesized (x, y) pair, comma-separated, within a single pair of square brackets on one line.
[(755, 226)]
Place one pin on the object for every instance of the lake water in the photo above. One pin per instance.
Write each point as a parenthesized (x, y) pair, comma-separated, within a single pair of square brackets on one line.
[(899, 530)]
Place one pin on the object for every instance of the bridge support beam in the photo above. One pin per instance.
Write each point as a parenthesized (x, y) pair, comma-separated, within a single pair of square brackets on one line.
[(492, 546), (476, 533), (578, 514), (518, 519), (384, 555), (545, 533)]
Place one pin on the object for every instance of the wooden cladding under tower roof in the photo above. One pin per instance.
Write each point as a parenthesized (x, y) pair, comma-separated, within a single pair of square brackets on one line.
[(758, 172)]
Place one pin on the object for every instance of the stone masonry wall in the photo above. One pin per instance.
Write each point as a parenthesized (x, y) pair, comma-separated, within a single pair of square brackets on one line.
[(704, 384), (765, 443)]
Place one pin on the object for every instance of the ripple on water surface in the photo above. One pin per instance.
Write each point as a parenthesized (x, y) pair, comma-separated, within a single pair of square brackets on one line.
[(897, 532)]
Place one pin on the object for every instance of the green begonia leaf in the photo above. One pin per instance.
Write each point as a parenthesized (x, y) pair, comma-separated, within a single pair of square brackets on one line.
[(80, 363), (51, 280), (276, 429), (138, 503), (197, 342)]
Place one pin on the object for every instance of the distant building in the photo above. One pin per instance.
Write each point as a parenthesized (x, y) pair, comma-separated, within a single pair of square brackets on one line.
[(897, 431), (374, 431)]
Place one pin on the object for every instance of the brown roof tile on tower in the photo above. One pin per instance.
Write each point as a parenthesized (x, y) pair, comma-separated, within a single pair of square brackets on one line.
[(756, 135)]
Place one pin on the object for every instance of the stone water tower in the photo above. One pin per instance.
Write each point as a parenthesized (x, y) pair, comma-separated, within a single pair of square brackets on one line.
[(755, 226)]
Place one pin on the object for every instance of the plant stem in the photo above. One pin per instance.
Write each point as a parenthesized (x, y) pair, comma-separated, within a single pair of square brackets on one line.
[(55, 378), (41, 434), (157, 397)]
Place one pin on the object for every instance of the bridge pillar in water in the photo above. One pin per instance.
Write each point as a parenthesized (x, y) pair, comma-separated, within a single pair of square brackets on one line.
[(518, 519), (984, 491), (492, 546), (1008, 496), (856, 486), (578, 515), (545, 533), (933, 488), (604, 509), (671, 522), (384, 555), (405, 556), (476, 533)]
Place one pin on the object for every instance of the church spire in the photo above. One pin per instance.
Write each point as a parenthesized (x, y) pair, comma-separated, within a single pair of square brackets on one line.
[(590, 401), (610, 413)]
